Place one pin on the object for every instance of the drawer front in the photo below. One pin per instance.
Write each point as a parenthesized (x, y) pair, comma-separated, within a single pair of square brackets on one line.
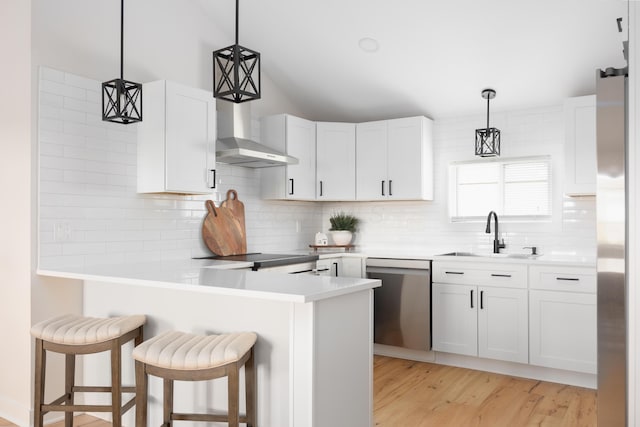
[(570, 279), (484, 274)]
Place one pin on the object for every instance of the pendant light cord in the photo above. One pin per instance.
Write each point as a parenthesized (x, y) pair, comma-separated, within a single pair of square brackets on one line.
[(121, 39), (237, 20), (488, 98)]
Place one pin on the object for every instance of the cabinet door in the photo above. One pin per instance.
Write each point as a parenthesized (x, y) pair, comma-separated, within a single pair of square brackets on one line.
[(371, 161), (580, 145), (336, 161), (190, 139), (348, 267), (408, 157), (563, 330), (503, 324), (301, 144), (455, 319)]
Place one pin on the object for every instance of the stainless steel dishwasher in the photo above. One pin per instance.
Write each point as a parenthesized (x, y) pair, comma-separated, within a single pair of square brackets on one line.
[(402, 305)]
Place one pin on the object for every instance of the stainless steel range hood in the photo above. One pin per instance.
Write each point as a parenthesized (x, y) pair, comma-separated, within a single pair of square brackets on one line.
[(234, 145)]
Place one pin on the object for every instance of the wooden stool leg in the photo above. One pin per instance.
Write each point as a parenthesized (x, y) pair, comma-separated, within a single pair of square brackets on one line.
[(167, 406), (234, 395), (141, 395), (40, 370), (250, 389), (116, 383), (69, 381)]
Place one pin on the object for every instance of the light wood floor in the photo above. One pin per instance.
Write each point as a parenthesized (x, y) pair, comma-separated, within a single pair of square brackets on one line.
[(416, 394)]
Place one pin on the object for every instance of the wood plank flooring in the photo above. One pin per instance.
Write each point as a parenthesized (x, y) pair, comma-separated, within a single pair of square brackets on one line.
[(408, 393), (417, 394)]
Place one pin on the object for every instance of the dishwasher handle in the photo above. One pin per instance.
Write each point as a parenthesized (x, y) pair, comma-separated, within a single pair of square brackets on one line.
[(390, 270)]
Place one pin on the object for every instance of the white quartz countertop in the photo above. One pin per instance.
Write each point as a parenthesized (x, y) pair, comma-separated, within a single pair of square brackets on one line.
[(214, 276)]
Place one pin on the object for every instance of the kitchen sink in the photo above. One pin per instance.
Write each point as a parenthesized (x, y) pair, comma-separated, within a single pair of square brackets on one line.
[(513, 256)]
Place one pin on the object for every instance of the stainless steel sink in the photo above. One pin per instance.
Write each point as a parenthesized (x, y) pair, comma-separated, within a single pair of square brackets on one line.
[(513, 256)]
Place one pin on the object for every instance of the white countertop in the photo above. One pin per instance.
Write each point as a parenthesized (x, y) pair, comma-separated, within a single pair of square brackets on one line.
[(214, 276)]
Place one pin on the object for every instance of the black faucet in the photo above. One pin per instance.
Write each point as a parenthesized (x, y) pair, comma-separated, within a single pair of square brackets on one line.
[(496, 243)]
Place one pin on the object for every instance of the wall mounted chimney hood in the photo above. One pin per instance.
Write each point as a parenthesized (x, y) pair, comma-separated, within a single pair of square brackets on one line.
[(234, 145)]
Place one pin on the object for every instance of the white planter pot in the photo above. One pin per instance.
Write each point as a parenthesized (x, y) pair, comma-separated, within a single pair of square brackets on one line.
[(341, 237)]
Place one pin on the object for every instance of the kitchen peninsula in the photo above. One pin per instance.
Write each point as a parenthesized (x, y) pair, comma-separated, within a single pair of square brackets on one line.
[(314, 349)]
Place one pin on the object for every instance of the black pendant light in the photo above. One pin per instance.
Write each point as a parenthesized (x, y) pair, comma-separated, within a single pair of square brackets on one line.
[(121, 99), (236, 72), (488, 139)]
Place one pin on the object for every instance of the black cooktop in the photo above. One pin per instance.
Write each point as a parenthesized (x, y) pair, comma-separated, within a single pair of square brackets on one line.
[(261, 260)]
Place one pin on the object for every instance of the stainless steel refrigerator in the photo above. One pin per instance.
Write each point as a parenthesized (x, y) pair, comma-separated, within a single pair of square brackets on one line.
[(611, 212)]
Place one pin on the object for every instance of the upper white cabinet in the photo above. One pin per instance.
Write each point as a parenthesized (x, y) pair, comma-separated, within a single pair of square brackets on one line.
[(176, 140), (336, 161), (580, 145), (394, 159), (297, 138)]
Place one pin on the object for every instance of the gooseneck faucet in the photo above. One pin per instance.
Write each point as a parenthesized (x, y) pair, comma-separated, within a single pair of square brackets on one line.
[(497, 245)]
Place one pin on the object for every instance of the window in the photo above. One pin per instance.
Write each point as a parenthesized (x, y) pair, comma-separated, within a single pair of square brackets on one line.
[(519, 189)]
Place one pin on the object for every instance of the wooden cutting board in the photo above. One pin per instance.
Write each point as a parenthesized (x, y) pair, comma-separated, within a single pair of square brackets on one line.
[(222, 232), (237, 208)]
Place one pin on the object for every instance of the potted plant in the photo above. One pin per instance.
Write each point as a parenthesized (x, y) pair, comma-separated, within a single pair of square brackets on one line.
[(342, 227)]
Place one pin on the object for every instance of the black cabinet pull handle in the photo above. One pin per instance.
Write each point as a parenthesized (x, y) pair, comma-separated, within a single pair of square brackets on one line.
[(453, 272), (481, 300), (572, 279), (336, 264), (390, 190), (291, 180), (214, 178), (471, 293), (382, 187), (500, 275), (320, 188)]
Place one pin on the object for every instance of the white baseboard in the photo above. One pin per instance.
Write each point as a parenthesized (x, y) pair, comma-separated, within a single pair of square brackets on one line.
[(15, 412)]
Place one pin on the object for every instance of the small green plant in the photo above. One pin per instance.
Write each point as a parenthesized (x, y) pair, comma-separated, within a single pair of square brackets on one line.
[(343, 221)]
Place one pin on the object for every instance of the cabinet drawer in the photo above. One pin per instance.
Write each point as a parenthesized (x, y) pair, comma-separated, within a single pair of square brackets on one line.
[(484, 274), (571, 279)]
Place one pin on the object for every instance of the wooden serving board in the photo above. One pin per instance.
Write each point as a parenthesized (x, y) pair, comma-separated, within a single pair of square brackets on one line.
[(237, 209), (222, 232)]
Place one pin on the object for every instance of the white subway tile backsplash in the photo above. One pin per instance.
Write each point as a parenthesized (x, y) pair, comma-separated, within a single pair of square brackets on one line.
[(51, 75), (110, 222), (57, 88)]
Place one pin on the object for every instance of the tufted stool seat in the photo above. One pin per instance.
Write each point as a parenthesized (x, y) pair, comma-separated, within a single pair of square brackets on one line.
[(76, 335), (182, 356)]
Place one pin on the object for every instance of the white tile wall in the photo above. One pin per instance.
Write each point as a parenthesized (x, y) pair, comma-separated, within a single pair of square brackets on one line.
[(425, 226), (90, 212)]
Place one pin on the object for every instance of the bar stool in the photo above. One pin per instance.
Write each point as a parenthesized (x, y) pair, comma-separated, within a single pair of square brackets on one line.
[(182, 356), (74, 335)]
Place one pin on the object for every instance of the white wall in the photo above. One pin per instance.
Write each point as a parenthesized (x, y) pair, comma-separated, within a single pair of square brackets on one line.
[(88, 191), (414, 227), (164, 39), (16, 180)]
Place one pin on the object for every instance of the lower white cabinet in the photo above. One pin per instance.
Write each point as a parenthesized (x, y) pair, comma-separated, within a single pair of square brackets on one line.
[(345, 266), (455, 320), (563, 332), (563, 317), (488, 322)]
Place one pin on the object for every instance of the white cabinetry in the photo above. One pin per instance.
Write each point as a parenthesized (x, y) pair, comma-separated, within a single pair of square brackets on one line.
[(336, 162), (394, 159), (176, 140), (580, 145), (348, 267), (297, 138), (563, 326), (480, 309)]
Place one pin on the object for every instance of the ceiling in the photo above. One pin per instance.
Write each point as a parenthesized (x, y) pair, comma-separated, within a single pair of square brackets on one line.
[(434, 58)]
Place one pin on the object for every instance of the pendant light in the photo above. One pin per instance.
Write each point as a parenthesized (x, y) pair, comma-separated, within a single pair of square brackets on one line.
[(121, 99), (488, 139), (236, 72)]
